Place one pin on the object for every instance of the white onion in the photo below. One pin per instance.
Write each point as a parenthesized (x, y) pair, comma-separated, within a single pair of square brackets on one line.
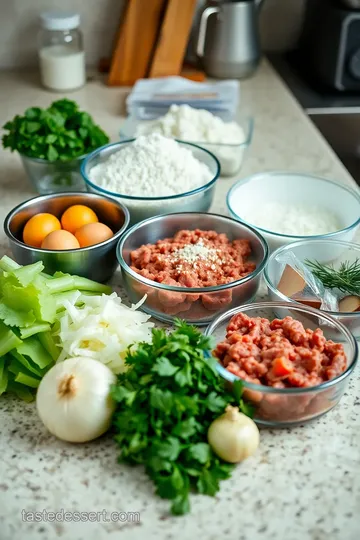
[(73, 399), (233, 436)]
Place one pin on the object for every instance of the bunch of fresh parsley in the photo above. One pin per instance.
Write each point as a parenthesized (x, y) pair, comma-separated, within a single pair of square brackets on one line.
[(60, 133), (166, 402)]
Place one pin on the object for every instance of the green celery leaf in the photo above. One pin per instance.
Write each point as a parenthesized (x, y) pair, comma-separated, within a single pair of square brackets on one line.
[(26, 274), (8, 340), (24, 362), (23, 392), (27, 380), (33, 329), (3, 375), (48, 343), (32, 348), (15, 317)]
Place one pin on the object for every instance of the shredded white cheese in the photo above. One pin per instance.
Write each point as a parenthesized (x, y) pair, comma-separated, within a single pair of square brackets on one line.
[(291, 219), (101, 328), (151, 166), (192, 252)]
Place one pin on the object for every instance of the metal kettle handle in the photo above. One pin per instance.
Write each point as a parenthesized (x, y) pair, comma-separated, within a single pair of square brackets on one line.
[(200, 46)]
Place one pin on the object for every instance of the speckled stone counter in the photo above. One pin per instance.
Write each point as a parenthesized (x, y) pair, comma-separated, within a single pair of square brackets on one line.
[(303, 483)]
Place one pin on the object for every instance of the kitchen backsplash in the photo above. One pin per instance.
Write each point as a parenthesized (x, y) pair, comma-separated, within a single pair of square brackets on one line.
[(280, 23)]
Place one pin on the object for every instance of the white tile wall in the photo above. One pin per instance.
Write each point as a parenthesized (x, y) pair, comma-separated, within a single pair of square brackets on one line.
[(280, 22)]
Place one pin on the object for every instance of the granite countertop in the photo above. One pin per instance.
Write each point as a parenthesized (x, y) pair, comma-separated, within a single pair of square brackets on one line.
[(303, 483)]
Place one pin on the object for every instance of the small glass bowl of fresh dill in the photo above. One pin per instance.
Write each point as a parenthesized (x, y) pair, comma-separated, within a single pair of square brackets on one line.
[(336, 264)]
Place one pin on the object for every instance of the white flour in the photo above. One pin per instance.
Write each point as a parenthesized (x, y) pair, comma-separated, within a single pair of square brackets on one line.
[(151, 166), (200, 126), (292, 219)]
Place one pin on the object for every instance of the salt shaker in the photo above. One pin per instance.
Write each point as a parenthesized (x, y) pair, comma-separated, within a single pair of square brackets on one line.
[(61, 51)]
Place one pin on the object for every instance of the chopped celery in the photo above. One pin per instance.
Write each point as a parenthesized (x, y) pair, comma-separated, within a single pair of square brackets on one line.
[(49, 345), (8, 265), (85, 284), (32, 348), (8, 340), (27, 380), (16, 317), (21, 391), (20, 362), (33, 329), (3, 376), (27, 274), (29, 301)]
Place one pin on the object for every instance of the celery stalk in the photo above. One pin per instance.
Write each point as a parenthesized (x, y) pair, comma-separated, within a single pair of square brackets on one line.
[(49, 344), (18, 362), (32, 348), (60, 284), (21, 391), (3, 376), (8, 265), (27, 274), (27, 380), (34, 329), (8, 340), (85, 284)]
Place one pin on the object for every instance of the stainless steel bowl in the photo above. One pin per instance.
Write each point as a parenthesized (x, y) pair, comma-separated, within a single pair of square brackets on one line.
[(96, 262), (195, 305)]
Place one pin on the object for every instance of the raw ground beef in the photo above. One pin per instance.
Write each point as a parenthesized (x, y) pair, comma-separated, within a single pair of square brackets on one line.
[(194, 259), (280, 353)]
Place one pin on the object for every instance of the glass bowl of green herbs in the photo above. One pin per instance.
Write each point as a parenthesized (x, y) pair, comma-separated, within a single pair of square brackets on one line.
[(52, 144), (336, 264)]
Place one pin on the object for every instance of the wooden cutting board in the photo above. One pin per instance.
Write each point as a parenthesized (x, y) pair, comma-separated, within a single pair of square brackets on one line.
[(136, 41), (174, 35)]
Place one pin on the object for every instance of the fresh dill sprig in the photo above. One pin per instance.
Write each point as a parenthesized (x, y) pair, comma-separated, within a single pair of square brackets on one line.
[(346, 278)]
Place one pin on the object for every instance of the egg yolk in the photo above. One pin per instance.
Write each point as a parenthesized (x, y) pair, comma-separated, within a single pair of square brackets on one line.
[(77, 216), (93, 233), (38, 227), (60, 240)]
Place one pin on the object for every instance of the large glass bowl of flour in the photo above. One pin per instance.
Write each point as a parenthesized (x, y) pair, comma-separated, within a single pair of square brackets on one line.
[(153, 175)]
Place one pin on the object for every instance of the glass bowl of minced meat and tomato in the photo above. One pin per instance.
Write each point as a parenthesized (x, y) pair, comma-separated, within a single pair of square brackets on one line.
[(290, 370), (191, 265)]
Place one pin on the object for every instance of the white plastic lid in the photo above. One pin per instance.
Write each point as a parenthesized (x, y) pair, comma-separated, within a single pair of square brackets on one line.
[(53, 20)]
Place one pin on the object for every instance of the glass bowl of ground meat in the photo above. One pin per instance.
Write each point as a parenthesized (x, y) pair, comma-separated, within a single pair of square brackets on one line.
[(291, 372), (190, 265)]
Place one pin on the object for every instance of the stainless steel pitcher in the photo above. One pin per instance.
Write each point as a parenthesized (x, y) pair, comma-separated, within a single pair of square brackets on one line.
[(228, 41)]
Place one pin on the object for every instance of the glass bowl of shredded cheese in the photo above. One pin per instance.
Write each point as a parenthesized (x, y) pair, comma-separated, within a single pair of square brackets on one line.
[(286, 207)]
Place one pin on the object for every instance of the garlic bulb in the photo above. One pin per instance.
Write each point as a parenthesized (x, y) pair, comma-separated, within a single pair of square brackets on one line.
[(233, 436), (73, 399)]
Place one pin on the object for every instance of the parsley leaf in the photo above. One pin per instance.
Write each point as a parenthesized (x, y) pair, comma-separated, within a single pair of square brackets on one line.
[(165, 403), (60, 133)]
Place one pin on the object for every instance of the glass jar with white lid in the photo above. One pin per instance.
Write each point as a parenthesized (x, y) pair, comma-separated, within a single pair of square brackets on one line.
[(61, 52)]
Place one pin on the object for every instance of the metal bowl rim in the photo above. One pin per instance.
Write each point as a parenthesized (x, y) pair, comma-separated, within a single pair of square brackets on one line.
[(187, 290), (39, 198)]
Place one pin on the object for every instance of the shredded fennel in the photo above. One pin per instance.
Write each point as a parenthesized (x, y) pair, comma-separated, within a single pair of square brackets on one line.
[(101, 328)]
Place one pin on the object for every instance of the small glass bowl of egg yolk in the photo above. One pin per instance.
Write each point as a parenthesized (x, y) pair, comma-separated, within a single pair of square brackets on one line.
[(78, 227)]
